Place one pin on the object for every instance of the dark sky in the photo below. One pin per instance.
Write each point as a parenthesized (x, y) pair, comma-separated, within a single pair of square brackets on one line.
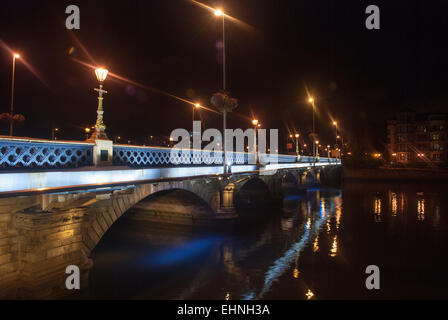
[(359, 77)]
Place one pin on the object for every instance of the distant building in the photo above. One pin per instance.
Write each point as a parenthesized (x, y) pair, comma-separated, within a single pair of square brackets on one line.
[(418, 137)]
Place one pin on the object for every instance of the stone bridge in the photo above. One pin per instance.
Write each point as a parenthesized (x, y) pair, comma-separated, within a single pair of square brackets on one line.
[(54, 217)]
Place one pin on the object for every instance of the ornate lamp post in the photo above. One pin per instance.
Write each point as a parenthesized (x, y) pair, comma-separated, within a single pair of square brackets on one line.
[(103, 148), (100, 127)]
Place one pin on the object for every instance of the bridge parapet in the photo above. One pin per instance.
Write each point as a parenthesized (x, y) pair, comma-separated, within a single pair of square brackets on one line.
[(136, 156), (28, 153), (17, 153)]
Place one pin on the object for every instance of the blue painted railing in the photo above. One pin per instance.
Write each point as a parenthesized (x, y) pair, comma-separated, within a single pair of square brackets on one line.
[(33, 153), (20, 153), (135, 156)]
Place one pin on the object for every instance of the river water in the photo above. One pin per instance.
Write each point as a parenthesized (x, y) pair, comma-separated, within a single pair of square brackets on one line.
[(316, 247)]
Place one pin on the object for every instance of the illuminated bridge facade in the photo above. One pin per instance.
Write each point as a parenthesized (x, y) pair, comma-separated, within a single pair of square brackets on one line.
[(55, 204)]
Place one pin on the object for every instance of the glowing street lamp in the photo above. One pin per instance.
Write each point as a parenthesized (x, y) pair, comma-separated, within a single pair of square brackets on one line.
[(53, 130), (255, 124), (100, 127), (297, 144), (195, 106), (11, 119), (101, 74), (311, 100), (337, 136), (87, 131)]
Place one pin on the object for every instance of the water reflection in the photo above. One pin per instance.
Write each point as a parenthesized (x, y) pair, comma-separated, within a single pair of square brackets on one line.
[(309, 294), (296, 273), (321, 245), (316, 244), (393, 203), (377, 209), (420, 206), (334, 247)]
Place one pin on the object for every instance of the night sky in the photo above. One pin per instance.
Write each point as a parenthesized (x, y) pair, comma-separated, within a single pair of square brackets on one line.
[(359, 77)]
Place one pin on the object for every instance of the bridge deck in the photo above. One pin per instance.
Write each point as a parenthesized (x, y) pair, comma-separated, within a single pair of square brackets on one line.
[(19, 183), (30, 165)]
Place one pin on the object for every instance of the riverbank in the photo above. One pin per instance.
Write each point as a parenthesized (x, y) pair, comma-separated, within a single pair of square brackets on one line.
[(395, 174)]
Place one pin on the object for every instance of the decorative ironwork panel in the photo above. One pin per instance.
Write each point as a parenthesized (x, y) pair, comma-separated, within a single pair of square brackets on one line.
[(19, 154), (150, 156), (141, 157)]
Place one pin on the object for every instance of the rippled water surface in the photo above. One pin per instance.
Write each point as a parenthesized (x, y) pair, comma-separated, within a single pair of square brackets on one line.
[(316, 247)]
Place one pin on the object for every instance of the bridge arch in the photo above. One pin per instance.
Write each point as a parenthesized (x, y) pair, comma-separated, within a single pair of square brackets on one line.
[(309, 177), (253, 193), (290, 180), (177, 205), (101, 215)]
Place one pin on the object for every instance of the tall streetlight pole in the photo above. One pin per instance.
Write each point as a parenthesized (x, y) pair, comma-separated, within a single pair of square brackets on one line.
[(255, 124), (287, 144), (11, 119), (336, 137), (311, 100), (297, 145), (336, 128), (53, 135), (196, 106), (220, 13), (342, 144)]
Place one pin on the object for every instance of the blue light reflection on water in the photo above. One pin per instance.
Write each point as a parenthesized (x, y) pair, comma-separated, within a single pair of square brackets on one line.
[(278, 268), (294, 197), (182, 252)]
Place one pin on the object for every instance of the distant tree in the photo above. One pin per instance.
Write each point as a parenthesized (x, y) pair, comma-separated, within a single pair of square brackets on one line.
[(223, 102), (7, 117)]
